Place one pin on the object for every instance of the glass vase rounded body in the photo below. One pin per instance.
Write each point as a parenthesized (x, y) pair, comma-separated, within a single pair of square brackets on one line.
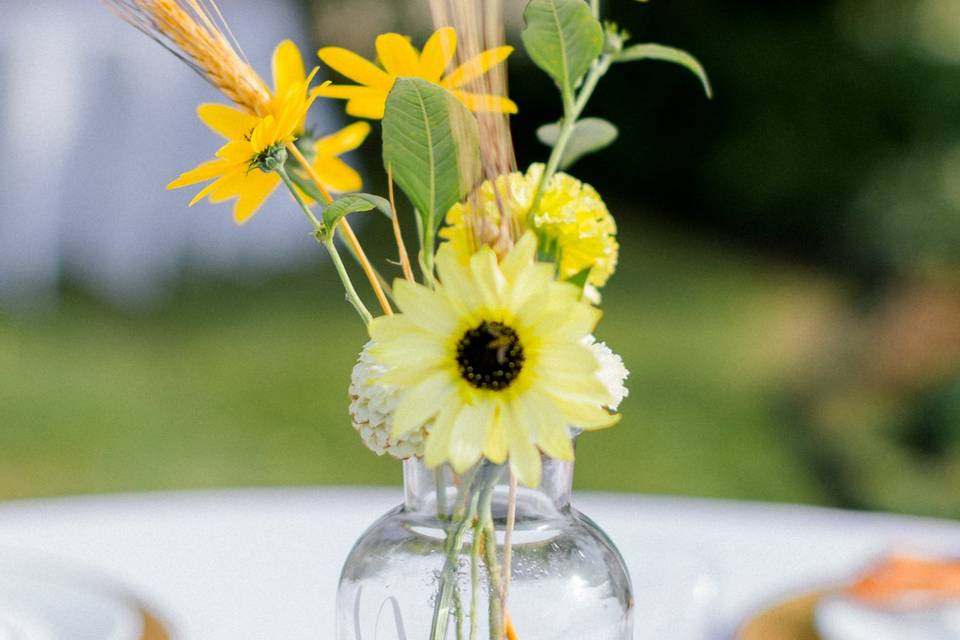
[(433, 568)]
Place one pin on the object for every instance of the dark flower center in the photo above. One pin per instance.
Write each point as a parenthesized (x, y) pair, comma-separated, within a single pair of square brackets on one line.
[(490, 356)]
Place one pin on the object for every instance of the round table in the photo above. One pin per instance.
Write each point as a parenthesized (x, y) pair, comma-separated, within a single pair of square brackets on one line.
[(263, 564)]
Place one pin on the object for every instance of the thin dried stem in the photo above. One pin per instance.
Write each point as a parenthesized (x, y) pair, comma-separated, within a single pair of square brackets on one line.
[(508, 546), (480, 26), (401, 247), (511, 630)]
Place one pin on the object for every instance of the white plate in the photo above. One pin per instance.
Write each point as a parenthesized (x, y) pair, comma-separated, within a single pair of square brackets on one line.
[(840, 618), (45, 602)]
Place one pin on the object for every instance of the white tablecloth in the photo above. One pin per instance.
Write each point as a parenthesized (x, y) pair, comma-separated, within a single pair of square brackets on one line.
[(263, 564)]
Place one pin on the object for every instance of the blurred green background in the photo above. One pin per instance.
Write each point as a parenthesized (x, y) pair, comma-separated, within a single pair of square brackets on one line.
[(788, 299)]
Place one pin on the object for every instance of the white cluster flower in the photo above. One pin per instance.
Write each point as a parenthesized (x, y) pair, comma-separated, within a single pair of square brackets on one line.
[(371, 407), (613, 373)]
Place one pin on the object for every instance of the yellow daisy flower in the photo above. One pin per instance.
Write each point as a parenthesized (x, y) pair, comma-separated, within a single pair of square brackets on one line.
[(497, 357), (571, 219), (237, 173), (290, 99), (399, 58)]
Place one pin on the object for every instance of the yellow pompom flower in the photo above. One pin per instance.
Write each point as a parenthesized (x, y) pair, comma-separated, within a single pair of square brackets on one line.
[(572, 220), (399, 58), (249, 136), (497, 357)]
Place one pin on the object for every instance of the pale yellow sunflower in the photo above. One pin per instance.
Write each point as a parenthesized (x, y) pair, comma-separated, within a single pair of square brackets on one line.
[(497, 357), (572, 222), (291, 98), (399, 59)]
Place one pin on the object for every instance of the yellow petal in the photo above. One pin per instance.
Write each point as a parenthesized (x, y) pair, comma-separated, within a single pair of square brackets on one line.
[(577, 320), (205, 192), (363, 102), (401, 343), (427, 309), (487, 277), (551, 431), (264, 134), (524, 456), (288, 68), (457, 284), (484, 103), (397, 55), (469, 434), (229, 187), (420, 403), (206, 171), (495, 444), (257, 187), (347, 139), (296, 104), (586, 417), (520, 257), (532, 284), (347, 91), (476, 67), (237, 152), (438, 53), (358, 69), (230, 123), (337, 175), (409, 375), (372, 106), (437, 448)]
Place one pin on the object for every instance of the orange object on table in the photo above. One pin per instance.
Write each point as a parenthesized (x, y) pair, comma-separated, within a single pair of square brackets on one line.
[(902, 575)]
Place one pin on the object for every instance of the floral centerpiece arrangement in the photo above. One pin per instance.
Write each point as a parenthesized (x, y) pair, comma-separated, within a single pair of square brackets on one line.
[(482, 367)]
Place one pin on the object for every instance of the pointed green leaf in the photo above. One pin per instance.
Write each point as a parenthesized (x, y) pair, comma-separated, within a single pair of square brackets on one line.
[(353, 203), (652, 51), (563, 38), (589, 136), (580, 279), (431, 145)]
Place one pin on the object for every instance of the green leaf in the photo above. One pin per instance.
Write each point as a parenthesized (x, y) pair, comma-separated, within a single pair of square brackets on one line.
[(580, 279), (652, 51), (589, 136), (352, 203), (563, 38), (431, 144)]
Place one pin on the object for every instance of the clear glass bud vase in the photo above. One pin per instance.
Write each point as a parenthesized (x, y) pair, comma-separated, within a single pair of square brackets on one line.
[(433, 568)]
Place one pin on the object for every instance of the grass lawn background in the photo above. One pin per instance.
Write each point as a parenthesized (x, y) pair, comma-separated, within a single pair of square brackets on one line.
[(244, 383)]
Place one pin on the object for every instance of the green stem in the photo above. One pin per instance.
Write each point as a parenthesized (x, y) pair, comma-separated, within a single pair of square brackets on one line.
[(292, 188), (352, 295), (475, 576), (485, 537), (464, 512), (426, 256), (458, 612), (572, 110), (440, 480), (494, 588), (328, 243), (387, 289)]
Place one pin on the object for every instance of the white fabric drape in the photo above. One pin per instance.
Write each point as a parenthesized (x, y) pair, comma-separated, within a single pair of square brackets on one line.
[(95, 119)]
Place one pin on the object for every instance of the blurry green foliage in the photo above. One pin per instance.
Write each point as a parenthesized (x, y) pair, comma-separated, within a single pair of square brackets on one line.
[(240, 384), (817, 104)]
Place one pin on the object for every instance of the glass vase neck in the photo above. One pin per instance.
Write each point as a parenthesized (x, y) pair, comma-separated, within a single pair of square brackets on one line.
[(436, 491)]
